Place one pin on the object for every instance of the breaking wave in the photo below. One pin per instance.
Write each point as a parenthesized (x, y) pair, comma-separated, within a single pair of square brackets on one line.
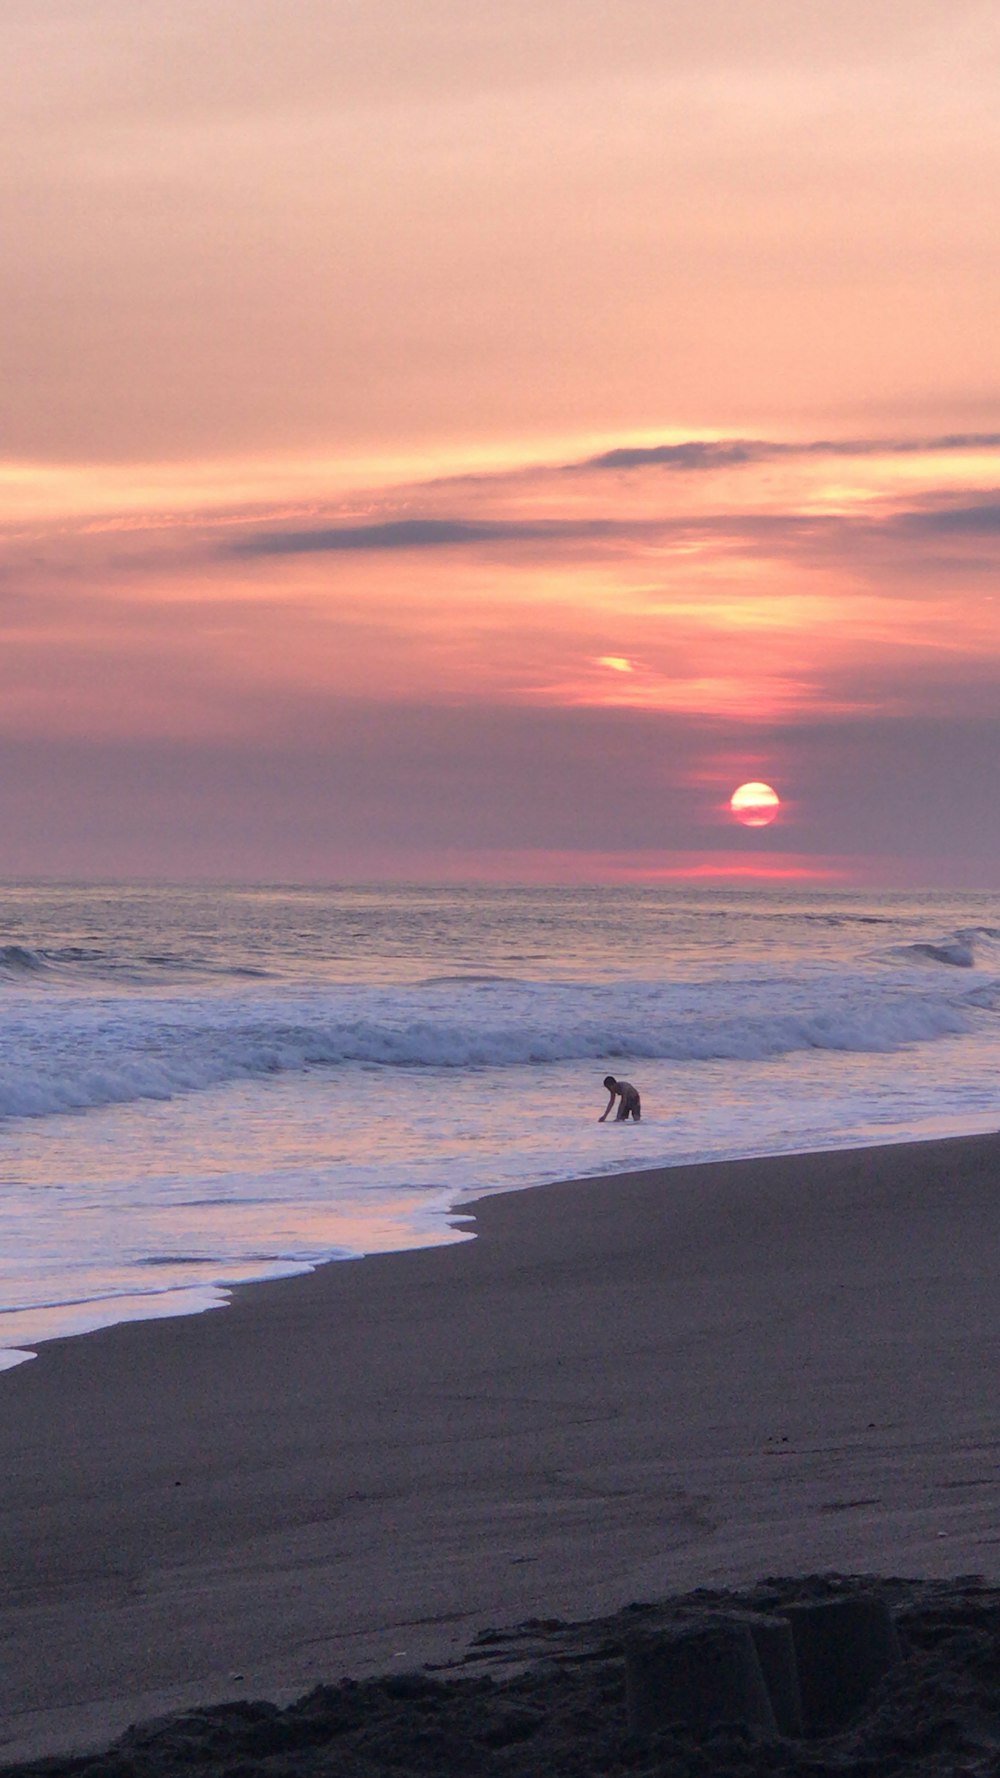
[(972, 948), (20, 960), (87, 1053)]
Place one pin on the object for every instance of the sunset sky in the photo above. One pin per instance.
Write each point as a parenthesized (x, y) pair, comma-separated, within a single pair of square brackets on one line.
[(455, 441)]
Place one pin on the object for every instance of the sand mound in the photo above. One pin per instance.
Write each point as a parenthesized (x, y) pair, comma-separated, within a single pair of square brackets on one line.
[(899, 1677)]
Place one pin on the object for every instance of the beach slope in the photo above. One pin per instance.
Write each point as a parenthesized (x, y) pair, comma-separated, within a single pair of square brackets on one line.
[(622, 1388)]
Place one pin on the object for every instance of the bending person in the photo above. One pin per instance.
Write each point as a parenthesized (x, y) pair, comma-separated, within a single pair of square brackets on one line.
[(630, 1104)]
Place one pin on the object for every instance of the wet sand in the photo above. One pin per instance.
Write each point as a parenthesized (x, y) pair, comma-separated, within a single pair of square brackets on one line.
[(623, 1388)]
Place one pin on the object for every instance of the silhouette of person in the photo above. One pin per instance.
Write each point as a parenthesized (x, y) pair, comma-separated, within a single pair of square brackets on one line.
[(630, 1104)]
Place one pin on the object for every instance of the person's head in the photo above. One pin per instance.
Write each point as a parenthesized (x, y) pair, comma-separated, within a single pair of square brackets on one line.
[(610, 1082)]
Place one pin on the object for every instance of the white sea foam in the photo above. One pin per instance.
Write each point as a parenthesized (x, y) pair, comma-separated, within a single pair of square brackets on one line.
[(82, 1054)]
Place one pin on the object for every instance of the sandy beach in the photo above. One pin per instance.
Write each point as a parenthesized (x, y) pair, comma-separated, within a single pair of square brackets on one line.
[(622, 1388)]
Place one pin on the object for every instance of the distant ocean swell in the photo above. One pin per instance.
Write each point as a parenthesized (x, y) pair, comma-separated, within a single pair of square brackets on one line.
[(85, 1051), (19, 963), (24, 965)]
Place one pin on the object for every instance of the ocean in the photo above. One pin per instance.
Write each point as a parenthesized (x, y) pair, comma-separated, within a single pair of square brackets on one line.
[(203, 1087)]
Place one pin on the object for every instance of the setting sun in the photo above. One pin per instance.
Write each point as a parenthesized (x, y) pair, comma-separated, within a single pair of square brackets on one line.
[(755, 804)]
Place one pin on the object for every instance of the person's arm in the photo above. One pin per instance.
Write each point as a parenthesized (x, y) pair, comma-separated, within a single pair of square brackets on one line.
[(607, 1109)]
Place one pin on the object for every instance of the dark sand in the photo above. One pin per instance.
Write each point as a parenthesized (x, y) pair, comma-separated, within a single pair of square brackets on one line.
[(551, 1700), (624, 1388)]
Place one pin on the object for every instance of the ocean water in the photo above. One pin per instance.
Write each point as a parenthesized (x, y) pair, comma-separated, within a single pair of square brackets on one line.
[(201, 1087)]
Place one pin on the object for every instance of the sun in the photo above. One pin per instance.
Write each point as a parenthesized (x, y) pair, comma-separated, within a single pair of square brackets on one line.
[(756, 805)]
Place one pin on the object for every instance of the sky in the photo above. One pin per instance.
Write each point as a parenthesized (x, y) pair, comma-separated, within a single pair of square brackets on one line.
[(449, 442)]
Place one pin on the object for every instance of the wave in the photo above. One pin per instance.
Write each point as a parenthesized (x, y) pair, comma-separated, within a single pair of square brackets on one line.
[(21, 964), (842, 919), (18, 960), (970, 948), (108, 1052), (468, 979)]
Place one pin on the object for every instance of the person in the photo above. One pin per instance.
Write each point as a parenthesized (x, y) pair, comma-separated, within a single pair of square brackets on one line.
[(630, 1105)]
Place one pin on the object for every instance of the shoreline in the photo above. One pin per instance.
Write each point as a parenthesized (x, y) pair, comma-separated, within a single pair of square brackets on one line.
[(626, 1385), (159, 1306)]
